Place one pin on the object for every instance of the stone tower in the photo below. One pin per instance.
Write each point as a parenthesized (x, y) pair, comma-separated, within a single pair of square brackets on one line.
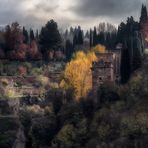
[(106, 69)]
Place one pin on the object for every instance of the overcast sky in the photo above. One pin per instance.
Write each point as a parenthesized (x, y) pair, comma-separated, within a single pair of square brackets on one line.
[(86, 13)]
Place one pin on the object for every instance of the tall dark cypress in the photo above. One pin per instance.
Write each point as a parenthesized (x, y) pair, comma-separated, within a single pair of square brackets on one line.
[(90, 38), (95, 37), (75, 40), (69, 50), (80, 36), (32, 37), (144, 14), (37, 35), (125, 69), (26, 36)]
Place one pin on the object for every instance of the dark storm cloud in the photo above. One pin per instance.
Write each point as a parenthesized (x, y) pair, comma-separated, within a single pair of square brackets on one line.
[(17, 10), (107, 8), (78, 12)]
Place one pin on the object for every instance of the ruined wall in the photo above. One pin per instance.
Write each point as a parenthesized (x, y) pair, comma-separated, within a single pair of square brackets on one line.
[(106, 69)]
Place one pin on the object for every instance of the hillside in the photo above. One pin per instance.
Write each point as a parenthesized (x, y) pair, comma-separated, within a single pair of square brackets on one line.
[(120, 122)]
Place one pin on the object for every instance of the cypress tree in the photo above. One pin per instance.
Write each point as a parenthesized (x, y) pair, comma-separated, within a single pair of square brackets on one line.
[(69, 50), (80, 36), (87, 34), (32, 37), (125, 66), (90, 38), (37, 35), (75, 40), (26, 36), (95, 37), (144, 15)]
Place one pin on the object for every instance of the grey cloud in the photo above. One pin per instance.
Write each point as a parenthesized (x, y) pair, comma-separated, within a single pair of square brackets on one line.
[(46, 6), (107, 8), (86, 12), (10, 11), (13, 10)]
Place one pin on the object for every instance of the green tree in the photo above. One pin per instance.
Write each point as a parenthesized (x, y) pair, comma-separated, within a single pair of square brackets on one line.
[(37, 35), (125, 66), (94, 37), (80, 36), (13, 36), (32, 37), (144, 15), (66, 136), (26, 37), (50, 38), (90, 39), (69, 49)]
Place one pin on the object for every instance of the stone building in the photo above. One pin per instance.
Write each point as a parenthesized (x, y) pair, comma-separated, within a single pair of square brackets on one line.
[(144, 31), (106, 69)]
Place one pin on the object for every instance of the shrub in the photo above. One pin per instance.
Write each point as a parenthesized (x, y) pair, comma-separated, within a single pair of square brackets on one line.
[(43, 80), (66, 136), (134, 125)]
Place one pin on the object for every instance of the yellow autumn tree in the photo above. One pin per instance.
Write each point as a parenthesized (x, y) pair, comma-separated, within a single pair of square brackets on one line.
[(99, 49), (78, 74)]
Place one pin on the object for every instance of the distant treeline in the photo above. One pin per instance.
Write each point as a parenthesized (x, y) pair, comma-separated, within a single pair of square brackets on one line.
[(17, 43)]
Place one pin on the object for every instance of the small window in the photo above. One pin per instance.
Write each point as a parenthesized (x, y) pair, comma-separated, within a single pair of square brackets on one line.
[(100, 78)]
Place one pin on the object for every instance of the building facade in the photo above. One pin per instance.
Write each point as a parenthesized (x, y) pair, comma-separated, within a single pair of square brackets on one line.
[(106, 69)]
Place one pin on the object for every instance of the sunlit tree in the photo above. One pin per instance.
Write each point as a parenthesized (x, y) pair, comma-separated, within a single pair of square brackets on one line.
[(78, 73), (99, 48)]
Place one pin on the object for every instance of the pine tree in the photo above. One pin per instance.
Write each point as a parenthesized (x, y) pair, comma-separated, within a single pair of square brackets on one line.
[(13, 36), (26, 36), (125, 69), (69, 50), (87, 34), (75, 40), (80, 36), (94, 37), (144, 14), (66, 33), (32, 37), (50, 38), (37, 35), (90, 38), (121, 32)]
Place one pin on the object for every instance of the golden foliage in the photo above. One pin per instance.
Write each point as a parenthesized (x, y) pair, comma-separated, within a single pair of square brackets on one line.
[(54, 85), (63, 85), (99, 49), (78, 73)]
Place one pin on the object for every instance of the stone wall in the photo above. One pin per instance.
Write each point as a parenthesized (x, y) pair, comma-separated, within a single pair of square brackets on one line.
[(106, 69)]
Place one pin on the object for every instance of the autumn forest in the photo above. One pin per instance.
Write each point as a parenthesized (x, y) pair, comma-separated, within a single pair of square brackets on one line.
[(74, 87)]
